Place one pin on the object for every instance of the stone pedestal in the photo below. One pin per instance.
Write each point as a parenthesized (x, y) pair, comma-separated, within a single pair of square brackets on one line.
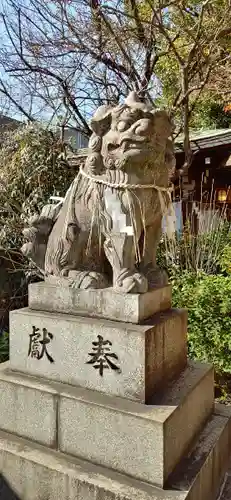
[(143, 356), (108, 408), (56, 296)]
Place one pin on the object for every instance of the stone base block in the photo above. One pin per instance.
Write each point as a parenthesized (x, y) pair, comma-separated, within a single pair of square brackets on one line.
[(112, 357), (143, 441), (28, 407), (203, 469), (55, 296), (34, 472)]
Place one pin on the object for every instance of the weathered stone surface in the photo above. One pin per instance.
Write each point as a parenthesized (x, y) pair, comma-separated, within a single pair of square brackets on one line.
[(203, 469), (165, 348), (28, 407), (34, 472), (222, 459), (114, 208), (56, 296), (148, 355), (143, 441)]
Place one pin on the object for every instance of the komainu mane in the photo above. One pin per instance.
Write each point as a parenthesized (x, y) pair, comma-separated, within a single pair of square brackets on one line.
[(112, 212)]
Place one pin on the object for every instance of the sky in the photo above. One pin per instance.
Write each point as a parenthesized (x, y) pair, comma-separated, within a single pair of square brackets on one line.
[(12, 111)]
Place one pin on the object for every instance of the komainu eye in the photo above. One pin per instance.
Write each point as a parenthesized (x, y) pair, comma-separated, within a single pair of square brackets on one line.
[(122, 125), (143, 127)]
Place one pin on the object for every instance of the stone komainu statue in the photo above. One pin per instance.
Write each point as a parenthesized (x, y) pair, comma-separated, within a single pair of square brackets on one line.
[(112, 212)]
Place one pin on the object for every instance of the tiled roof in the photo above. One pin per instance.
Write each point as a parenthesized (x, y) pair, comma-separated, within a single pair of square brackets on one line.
[(78, 157), (6, 120), (205, 139), (75, 158), (7, 124)]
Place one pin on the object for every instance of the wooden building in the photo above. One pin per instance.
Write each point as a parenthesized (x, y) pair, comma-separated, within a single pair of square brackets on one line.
[(210, 172)]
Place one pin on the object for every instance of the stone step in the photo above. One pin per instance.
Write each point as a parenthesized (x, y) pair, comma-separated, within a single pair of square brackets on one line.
[(121, 435), (35, 472), (136, 359), (203, 469), (143, 441), (28, 407)]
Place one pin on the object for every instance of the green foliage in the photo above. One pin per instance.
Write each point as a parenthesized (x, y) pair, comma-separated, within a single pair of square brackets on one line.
[(167, 70), (182, 24), (209, 113), (4, 346), (32, 168), (225, 258), (208, 300), (199, 270)]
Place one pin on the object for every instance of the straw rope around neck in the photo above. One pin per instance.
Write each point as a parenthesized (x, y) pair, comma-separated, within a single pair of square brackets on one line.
[(124, 185), (165, 204)]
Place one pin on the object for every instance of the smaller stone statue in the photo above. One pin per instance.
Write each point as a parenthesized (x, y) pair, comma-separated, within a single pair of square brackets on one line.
[(112, 212)]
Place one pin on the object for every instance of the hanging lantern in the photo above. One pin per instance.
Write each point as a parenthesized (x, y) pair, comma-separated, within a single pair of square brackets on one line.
[(222, 195), (227, 108)]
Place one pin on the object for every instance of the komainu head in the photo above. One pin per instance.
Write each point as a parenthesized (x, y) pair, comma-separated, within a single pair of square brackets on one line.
[(128, 137)]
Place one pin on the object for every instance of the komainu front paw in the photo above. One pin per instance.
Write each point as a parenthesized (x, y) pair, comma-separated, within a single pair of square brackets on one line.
[(131, 282), (86, 280)]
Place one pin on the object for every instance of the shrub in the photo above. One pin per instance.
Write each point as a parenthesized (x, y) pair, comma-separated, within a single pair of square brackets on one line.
[(225, 258), (207, 252), (32, 168), (208, 300), (4, 346)]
